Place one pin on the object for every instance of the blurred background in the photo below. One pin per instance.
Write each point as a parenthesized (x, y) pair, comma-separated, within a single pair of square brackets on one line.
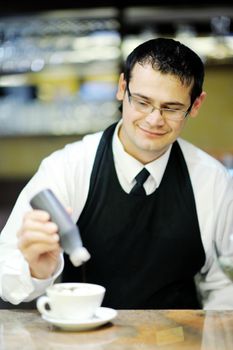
[(60, 61)]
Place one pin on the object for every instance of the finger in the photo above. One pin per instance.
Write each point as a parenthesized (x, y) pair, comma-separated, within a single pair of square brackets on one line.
[(34, 225), (35, 214), (38, 250), (29, 225), (29, 238), (69, 210)]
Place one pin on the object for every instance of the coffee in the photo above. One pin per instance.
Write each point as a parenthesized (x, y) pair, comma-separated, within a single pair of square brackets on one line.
[(74, 290)]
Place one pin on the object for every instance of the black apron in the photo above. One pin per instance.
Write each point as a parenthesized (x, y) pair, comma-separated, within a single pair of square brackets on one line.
[(145, 250)]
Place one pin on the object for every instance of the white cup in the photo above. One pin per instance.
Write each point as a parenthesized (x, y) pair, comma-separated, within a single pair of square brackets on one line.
[(71, 301)]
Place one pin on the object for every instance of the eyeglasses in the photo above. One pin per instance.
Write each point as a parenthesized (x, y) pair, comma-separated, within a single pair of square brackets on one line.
[(147, 108)]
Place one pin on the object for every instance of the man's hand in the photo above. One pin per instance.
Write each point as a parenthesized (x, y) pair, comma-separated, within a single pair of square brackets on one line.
[(38, 240)]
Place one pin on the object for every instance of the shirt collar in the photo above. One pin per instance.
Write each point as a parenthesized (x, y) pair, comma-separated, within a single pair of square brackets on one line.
[(130, 166)]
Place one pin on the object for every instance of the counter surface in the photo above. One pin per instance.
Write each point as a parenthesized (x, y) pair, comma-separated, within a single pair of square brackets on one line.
[(131, 329)]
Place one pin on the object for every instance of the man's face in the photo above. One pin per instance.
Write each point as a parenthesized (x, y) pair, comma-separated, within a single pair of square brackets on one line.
[(147, 136)]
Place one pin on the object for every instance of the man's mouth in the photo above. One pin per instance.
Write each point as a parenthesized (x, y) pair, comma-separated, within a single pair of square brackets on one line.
[(151, 132)]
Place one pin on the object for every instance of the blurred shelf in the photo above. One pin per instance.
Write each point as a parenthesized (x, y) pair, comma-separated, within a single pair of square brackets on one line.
[(84, 38), (176, 13), (66, 118), (59, 68)]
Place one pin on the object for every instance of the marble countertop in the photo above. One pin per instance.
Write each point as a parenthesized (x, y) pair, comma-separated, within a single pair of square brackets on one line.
[(131, 329)]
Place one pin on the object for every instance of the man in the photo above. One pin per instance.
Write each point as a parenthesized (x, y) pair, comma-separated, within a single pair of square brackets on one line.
[(146, 248)]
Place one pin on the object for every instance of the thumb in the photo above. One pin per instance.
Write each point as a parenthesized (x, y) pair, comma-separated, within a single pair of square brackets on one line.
[(69, 210)]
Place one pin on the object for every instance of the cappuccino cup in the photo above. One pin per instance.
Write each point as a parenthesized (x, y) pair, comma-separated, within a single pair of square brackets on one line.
[(71, 301)]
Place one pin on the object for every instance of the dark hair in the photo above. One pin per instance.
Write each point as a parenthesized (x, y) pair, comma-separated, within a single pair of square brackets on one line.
[(169, 57)]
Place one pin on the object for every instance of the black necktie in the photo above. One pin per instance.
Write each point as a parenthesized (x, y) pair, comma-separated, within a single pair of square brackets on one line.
[(140, 179)]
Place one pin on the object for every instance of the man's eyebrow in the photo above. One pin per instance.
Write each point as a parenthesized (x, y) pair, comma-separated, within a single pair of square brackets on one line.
[(174, 103), (142, 96), (149, 99)]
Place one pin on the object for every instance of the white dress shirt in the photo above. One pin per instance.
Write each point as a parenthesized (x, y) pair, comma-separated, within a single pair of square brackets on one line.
[(67, 172), (128, 167)]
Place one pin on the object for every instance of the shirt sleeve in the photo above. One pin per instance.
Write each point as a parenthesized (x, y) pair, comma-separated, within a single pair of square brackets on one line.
[(66, 172), (16, 283), (215, 287)]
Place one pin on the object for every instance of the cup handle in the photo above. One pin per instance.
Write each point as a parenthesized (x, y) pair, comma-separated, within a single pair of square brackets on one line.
[(41, 304)]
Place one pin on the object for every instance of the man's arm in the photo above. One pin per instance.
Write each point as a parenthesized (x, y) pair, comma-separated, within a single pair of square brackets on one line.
[(215, 287), (30, 257)]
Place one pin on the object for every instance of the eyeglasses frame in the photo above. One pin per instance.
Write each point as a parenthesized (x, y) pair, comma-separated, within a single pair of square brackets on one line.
[(185, 113)]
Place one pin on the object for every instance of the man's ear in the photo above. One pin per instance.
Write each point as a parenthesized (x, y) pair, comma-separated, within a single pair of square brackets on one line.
[(197, 104), (121, 87)]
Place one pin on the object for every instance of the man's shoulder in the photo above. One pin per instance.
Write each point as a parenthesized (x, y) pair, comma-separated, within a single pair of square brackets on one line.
[(75, 151), (203, 167), (210, 178), (195, 155), (89, 140)]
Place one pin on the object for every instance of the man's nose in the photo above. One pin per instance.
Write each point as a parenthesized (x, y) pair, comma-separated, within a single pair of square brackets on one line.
[(155, 117)]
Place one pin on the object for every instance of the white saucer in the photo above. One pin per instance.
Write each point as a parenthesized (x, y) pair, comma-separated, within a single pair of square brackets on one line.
[(102, 316)]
